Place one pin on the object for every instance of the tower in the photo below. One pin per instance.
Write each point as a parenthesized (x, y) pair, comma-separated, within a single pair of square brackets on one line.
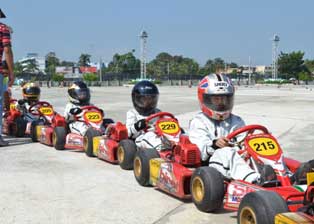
[(143, 37), (275, 56)]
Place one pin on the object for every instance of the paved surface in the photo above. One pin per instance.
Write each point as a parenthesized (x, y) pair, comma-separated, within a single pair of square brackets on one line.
[(41, 185)]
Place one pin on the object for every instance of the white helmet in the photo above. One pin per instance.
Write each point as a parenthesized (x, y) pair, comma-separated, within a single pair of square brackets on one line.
[(215, 95)]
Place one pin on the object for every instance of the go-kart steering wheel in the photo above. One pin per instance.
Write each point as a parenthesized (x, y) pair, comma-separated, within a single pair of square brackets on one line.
[(250, 129), (39, 103), (158, 115), (88, 108)]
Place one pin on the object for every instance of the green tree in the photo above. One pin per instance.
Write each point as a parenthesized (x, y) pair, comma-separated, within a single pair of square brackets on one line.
[(67, 63), (310, 65), (165, 65), (124, 63), (84, 60), (291, 64), (31, 66), (18, 69), (90, 77), (305, 76), (57, 77), (51, 63)]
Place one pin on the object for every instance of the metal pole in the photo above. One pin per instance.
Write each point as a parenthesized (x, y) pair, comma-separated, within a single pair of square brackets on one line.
[(100, 68)]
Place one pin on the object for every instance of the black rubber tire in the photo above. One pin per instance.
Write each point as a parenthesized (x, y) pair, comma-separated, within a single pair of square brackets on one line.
[(207, 189), (20, 125), (34, 124), (88, 141), (141, 165), (261, 207), (58, 137), (125, 153)]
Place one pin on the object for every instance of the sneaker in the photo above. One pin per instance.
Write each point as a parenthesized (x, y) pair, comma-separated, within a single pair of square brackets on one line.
[(268, 177), (3, 142), (299, 177)]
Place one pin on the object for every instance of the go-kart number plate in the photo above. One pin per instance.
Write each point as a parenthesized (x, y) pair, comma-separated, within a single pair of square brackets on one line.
[(93, 116), (46, 110), (12, 106), (169, 127), (264, 146)]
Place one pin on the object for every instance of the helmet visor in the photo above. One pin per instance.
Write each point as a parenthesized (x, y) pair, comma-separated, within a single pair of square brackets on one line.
[(218, 102), (147, 102), (31, 91), (83, 95)]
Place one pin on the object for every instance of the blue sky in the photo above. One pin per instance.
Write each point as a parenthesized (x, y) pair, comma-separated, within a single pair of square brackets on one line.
[(200, 29)]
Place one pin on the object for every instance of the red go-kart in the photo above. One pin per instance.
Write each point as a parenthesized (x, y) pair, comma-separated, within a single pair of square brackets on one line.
[(111, 145), (304, 214), (42, 129), (210, 190), (13, 122), (169, 169), (92, 116), (20, 124)]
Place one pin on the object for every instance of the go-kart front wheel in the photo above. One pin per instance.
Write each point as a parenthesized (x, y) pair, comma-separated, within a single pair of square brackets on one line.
[(58, 137), (19, 127), (141, 168), (88, 141), (126, 153), (261, 207), (207, 189), (34, 125)]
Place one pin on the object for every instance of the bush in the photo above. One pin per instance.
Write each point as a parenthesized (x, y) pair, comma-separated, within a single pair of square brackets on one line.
[(57, 77), (89, 77)]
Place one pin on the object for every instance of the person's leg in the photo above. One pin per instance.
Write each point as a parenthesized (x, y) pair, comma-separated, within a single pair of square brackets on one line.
[(2, 142), (228, 162), (148, 140)]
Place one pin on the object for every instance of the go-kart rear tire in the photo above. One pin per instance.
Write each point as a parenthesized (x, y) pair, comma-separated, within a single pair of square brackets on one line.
[(125, 153), (34, 124), (261, 207), (58, 137), (141, 165), (207, 189), (88, 141), (20, 127)]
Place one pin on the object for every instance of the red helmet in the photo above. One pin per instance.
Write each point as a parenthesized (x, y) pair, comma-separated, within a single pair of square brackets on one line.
[(215, 95)]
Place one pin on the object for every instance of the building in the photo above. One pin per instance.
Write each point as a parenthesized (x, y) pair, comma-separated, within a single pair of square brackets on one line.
[(40, 62), (263, 69)]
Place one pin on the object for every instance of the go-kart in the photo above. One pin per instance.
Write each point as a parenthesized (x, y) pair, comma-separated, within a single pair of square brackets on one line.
[(92, 116), (112, 146), (210, 190), (170, 168), (13, 122), (304, 214), (19, 123), (42, 129)]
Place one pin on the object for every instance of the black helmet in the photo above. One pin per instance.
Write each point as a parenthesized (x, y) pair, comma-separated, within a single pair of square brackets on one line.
[(31, 92), (79, 93), (145, 97)]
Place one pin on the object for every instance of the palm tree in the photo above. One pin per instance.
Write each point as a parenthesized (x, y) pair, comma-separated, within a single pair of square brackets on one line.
[(84, 60), (31, 66)]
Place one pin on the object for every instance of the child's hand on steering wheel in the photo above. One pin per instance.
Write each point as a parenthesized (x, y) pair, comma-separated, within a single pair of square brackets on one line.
[(222, 142)]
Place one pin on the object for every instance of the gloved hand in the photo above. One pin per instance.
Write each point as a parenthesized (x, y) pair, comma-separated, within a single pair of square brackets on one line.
[(75, 110), (21, 102), (220, 143), (140, 125)]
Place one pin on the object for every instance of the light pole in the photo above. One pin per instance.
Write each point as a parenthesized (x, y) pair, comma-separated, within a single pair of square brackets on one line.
[(100, 70)]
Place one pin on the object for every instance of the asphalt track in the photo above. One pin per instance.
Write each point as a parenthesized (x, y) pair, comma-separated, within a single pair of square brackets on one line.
[(41, 185)]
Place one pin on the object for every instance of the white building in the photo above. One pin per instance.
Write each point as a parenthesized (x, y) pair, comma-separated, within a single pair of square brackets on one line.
[(40, 61)]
